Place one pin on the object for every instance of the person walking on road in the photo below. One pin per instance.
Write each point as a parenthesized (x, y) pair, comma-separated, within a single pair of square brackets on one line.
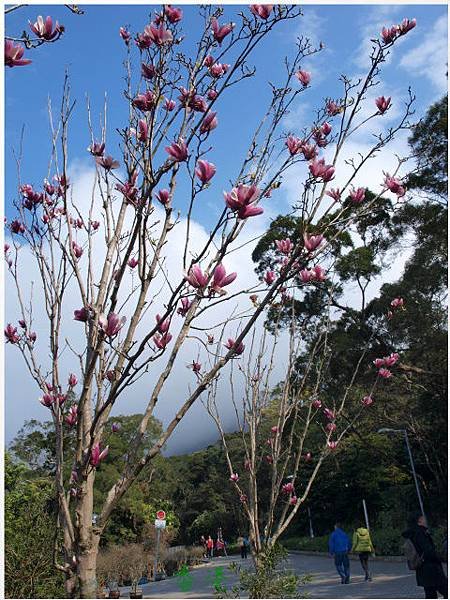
[(362, 544), (339, 546), (428, 566), (242, 546), (210, 546)]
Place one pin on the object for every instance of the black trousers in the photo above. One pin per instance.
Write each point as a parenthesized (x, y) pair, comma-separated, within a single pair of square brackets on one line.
[(432, 592), (364, 559), (244, 551)]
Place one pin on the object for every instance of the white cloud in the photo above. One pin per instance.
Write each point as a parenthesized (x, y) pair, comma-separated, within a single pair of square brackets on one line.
[(429, 58), (370, 28)]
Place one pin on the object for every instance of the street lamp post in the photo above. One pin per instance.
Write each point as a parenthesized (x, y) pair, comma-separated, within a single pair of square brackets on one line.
[(413, 468)]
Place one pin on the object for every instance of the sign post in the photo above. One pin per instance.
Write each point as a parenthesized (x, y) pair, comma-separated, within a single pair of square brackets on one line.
[(160, 523)]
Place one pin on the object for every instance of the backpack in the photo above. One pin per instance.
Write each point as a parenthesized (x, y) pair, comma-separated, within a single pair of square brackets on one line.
[(413, 558)]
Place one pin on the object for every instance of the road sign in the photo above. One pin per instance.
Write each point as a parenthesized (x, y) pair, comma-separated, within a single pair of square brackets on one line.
[(161, 514), (160, 523)]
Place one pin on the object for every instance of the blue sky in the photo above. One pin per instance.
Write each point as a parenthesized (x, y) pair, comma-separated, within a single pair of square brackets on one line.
[(93, 53)]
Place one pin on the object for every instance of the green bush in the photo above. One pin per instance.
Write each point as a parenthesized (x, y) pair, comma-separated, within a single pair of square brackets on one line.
[(316, 544)]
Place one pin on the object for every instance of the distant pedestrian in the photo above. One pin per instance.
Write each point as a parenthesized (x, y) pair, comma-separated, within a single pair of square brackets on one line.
[(210, 547), (426, 562), (242, 547), (339, 546), (362, 544), (246, 546), (220, 547)]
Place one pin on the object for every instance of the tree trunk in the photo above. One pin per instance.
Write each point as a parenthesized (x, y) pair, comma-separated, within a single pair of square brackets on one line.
[(87, 566)]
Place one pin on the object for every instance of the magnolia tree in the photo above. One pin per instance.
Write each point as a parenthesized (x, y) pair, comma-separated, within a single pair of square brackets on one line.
[(105, 260)]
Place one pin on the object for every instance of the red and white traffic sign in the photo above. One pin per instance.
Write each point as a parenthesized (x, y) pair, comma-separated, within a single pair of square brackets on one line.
[(161, 515)]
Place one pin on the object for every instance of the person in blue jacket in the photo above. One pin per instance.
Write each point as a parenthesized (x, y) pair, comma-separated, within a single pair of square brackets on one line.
[(339, 545)]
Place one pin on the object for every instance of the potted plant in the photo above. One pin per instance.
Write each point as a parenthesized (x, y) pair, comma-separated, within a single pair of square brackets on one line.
[(136, 567)]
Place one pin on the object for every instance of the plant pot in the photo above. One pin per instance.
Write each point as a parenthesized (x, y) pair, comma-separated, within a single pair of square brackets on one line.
[(114, 594), (137, 594)]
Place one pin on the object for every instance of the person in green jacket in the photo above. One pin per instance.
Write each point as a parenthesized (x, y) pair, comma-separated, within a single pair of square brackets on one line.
[(362, 544)]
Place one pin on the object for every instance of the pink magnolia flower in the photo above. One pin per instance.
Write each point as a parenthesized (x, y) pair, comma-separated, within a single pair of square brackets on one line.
[(334, 193), (144, 102), (287, 488), (331, 427), (143, 41), (293, 144), (309, 151), (332, 445), (163, 324), (284, 246), (212, 94), (161, 341), (185, 306), (44, 29), (209, 122), (234, 477), (163, 196), (125, 35), (196, 277), (115, 427), (98, 455), (318, 274), (174, 15), (205, 171), (95, 225), (32, 337), (221, 279), (243, 498), (107, 162), (96, 149), (388, 34), (159, 35), (220, 32), (293, 500), (384, 373), (319, 170), (261, 10), (304, 77), (231, 345), (77, 250), (397, 303), (178, 151), (326, 129), (142, 132), (394, 185), (242, 201), (406, 25), (133, 262), (112, 324), (11, 334), (147, 71), (308, 456), (367, 400), (72, 416), (306, 276), (22, 324), (317, 403), (269, 459), (333, 108), (110, 375), (358, 195), (195, 366), (217, 70), (383, 104), (72, 382), (169, 105), (17, 227), (269, 277), (274, 429), (81, 314), (312, 242), (47, 400), (329, 414), (378, 362), (390, 360)]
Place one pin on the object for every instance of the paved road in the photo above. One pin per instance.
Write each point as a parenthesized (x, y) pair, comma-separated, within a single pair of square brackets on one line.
[(390, 580)]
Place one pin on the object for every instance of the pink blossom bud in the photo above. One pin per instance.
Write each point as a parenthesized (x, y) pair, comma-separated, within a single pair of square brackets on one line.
[(293, 500), (261, 10), (221, 279), (169, 105), (205, 171), (269, 277), (231, 345), (13, 55), (161, 341), (367, 400), (125, 35), (326, 128), (133, 262), (293, 145), (72, 382), (312, 242), (111, 324), (317, 403), (107, 162), (319, 170), (234, 477), (164, 197), (196, 278), (284, 246), (178, 151), (11, 334), (304, 77), (383, 104), (358, 195), (384, 373), (81, 315), (397, 303), (220, 32), (185, 306), (334, 193), (209, 123), (115, 427), (212, 94), (287, 488), (332, 445), (174, 15), (44, 29), (147, 71)]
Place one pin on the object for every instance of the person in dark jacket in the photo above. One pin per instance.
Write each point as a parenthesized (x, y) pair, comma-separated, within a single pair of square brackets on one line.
[(339, 545), (430, 575)]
